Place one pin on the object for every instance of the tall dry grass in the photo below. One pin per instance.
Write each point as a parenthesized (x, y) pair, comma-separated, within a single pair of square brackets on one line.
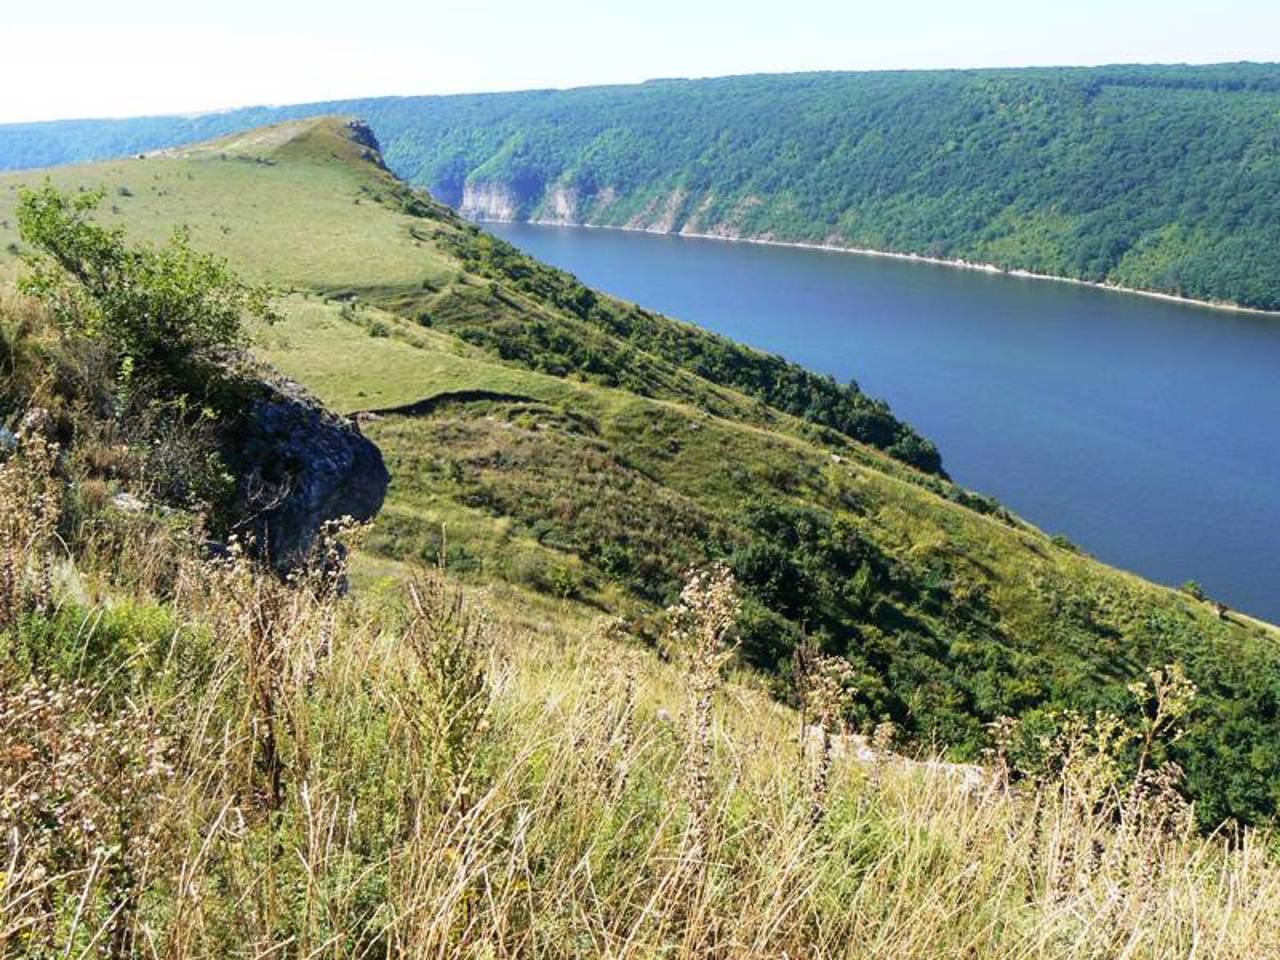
[(292, 772)]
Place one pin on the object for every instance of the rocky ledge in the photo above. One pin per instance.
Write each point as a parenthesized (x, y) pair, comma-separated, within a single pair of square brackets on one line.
[(302, 466)]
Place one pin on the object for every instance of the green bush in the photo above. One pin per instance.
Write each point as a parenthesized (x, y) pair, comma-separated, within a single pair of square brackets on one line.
[(163, 310)]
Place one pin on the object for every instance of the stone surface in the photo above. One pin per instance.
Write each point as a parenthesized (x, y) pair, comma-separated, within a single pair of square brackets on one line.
[(362, 134), (128, 503), (303, 466), (490, 201)]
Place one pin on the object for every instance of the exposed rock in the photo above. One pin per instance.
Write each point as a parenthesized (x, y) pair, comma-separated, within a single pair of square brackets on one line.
[(302, 467), (8, 440), (362, 134), (562, 204), (969, 778), (128, 503), (490, 201)]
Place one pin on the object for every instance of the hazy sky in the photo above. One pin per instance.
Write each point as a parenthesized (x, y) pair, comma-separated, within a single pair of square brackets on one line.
[(79, 58)]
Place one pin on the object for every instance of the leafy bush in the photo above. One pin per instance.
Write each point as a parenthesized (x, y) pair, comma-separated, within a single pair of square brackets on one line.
[(163, 310)]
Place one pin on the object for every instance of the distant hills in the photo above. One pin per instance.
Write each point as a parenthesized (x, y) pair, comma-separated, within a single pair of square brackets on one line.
[(1163, 178)]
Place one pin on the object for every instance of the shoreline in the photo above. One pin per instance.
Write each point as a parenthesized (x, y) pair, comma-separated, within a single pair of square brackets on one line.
[(956, 264)]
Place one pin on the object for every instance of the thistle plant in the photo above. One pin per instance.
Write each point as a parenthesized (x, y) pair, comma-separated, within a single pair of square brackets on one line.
[(623, 736), (1003, 732), (1154, 807), (82, 798), (450, 646), (254, 625), (30, 498), (1099, 775), (829, 695), (1165, 697), (605, 733), (701, 626)]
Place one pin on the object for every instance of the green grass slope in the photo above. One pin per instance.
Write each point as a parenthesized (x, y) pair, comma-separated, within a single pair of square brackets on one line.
[(550, 438)]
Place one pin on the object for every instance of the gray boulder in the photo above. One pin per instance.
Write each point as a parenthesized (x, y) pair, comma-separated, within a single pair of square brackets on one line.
[(302, 466)]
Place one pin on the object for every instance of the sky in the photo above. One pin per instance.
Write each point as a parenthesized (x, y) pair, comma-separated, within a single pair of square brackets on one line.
[(90, 58)]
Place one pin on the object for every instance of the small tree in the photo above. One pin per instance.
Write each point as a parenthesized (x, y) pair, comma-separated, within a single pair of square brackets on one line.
[(163, 309), (1193, 590)]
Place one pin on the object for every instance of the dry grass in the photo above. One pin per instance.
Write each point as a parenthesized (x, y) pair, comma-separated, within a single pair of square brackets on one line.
[(30, 504), (297, 773)]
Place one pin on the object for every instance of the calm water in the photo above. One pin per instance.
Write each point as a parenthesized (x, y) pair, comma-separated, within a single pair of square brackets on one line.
[(1146, 431)]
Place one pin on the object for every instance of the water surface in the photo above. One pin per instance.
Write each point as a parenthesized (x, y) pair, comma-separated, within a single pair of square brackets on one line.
[(1146, 431)]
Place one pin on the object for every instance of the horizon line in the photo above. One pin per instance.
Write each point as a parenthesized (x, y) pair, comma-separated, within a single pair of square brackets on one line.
[(197, 114)]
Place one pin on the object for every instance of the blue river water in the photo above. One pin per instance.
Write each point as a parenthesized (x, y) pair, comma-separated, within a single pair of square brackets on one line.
[(1146, 431)]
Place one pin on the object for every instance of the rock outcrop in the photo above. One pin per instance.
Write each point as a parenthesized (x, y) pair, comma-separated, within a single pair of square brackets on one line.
[(302, 466), (562, 204), (490, 201), (37, 422), (362, 135)]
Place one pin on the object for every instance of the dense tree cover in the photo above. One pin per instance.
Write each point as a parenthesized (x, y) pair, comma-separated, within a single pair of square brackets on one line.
[(1165, 178)]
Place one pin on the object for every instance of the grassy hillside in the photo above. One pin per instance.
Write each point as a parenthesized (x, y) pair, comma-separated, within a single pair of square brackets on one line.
[(200, 761), (548, 439), (1160, 178)]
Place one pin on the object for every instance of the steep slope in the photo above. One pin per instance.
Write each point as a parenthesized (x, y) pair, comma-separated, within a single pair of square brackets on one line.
[(544, 435), (1159, 178)]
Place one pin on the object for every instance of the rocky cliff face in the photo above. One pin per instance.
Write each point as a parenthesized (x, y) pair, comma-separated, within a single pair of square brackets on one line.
[(302, 467), (362, 135), (560, 205), (490, 201), (672, 212), (504, 200)]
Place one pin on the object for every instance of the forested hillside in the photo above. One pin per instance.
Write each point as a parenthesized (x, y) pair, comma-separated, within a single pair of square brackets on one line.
[(1161, 178)]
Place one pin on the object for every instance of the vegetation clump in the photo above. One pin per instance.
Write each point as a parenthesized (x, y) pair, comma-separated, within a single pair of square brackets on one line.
[(164, 311)]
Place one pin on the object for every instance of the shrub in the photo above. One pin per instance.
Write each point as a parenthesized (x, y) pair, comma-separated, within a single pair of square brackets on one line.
[(163, 309)]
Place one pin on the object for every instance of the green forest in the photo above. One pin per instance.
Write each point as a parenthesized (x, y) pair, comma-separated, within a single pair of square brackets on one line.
[(1159, 178)]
